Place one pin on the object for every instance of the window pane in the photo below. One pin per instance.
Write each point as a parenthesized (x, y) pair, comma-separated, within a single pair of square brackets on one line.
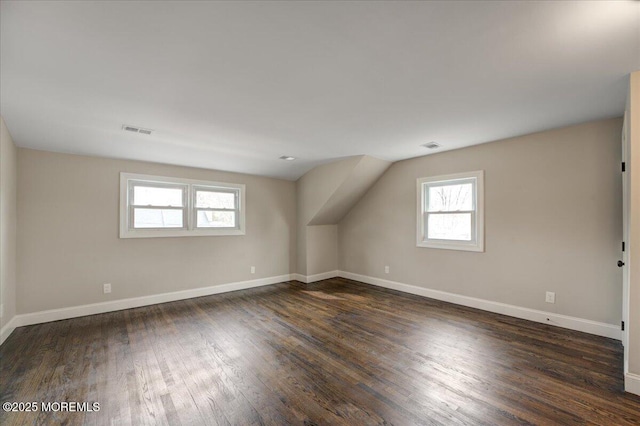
[(152, 196), (213, 219), (449, 198), (215, 200), (456, 226), (157, 218)]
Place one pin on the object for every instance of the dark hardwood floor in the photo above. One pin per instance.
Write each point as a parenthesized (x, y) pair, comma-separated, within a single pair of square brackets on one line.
[(334, 352)]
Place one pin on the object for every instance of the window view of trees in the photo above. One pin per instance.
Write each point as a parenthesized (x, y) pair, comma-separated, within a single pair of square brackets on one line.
[(216, 209), (450, 212)]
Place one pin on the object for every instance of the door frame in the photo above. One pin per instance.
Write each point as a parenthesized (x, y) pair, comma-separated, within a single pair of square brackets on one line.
[(626, 184)]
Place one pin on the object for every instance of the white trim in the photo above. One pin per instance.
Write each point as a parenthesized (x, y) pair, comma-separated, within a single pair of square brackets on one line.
[(573, 323), (477, 225), (189, 229), (317, 277), (624, 256), (579, 324), (8, 329), (135, 302), (299, 277), (632, 383)]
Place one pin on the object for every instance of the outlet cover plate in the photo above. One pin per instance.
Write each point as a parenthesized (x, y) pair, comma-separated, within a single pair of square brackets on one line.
[(550, 297)]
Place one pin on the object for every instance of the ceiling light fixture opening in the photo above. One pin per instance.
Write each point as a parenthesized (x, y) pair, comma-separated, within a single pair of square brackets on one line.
[(431, 145), (287, 158)]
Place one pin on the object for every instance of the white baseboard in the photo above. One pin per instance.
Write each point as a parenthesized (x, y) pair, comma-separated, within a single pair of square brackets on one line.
[(317, 277), (117, 305), (8, 329), (299, 277), (579, 324), (573, 323), (632, 383)]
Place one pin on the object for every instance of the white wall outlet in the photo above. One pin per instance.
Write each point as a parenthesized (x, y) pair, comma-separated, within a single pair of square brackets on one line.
[(253, 269), (386, 269), (106, 288), (551, 297)]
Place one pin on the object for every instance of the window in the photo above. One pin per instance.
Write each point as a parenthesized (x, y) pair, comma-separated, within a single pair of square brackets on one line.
[(154, 206), (216, 207), (157, 206), (450, 211)]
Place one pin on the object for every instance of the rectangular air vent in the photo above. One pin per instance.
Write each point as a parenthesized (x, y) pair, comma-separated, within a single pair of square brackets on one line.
[(134, 129)]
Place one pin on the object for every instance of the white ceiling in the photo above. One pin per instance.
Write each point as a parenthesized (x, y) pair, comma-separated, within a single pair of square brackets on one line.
[(233, 86)]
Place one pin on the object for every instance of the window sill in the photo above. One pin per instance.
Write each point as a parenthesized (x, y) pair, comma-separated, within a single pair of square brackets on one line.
[(142, 233), (451, 246)]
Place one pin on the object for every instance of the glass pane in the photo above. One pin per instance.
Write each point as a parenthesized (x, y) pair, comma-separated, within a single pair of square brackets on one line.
[(212, 219), (451, 198), (161, 197), (215, 200), (456, 226), (157, 218)]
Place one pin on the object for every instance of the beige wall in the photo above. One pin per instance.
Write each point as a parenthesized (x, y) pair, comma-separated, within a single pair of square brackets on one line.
[(552, 222), (8, 223), (312, 192), (324, 196), (322, 249), (634, 226), (68, 243)]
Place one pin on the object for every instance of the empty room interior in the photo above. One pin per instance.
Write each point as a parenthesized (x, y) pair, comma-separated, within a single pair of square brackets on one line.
[(320, 212)]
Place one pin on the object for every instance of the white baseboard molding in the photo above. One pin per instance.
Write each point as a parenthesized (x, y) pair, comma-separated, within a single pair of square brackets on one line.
[(573, 323), (135, 302), (579, 324), (8, 329), (632, 383), (317, 277)]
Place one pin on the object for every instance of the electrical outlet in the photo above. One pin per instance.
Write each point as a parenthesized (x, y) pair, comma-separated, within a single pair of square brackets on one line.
[(253, 269), (106, 288), (551, 297), (386, 269)]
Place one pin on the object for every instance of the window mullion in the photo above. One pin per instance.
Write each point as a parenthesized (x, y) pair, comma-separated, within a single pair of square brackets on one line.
[(152, 207), (474, 231), (452, 212), (187, 202), (211, 209)]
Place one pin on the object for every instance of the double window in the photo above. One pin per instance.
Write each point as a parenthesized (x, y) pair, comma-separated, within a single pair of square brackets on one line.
[(154, 206), (450, 212)]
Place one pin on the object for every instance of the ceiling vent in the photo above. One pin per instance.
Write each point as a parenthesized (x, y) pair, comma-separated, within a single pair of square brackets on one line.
[(431, 145), (135, 129), (287, 158)]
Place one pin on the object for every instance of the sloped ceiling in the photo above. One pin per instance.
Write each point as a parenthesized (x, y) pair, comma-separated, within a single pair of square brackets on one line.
[(235, 85), (358, 181)]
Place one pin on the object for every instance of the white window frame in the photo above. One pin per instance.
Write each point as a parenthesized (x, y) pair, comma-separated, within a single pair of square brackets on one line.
[(127, 182), (477, 214), (212, 188)]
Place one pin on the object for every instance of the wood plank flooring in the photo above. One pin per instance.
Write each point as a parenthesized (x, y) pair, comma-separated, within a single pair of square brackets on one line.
[(331, 353)]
